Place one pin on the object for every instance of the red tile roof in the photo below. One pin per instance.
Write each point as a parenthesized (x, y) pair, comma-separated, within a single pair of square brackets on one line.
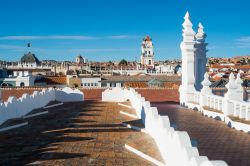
[(53, 80)]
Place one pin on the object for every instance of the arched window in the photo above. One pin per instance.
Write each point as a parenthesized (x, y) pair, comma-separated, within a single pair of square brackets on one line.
[(149, 62), (4, 84), (22, 84)]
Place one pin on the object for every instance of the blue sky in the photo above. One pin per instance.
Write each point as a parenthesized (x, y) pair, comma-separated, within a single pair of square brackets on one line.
[(104, 30)]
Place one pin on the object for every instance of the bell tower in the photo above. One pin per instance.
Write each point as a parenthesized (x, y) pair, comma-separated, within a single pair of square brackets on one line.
[(147, 52)]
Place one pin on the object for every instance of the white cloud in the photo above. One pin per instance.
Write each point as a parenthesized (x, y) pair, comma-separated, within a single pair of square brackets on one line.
[(60, 37), (123, 37), (243, 42), (65, 37), (100, 50), (19, 48), (5, 46)]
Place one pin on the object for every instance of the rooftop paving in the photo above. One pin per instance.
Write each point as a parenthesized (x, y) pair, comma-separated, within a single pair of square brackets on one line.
[(214, 138), (82, 133)]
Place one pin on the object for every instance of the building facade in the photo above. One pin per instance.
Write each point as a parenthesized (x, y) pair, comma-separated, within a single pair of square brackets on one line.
[(80, 59), (29, 60)]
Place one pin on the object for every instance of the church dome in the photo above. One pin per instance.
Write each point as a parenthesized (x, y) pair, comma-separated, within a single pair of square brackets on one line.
[(29, 58)]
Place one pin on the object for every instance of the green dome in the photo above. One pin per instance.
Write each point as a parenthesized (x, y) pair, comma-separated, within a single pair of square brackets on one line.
[(29, 58)]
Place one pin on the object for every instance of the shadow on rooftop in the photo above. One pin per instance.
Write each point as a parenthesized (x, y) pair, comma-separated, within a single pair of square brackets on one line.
[(38, 140)]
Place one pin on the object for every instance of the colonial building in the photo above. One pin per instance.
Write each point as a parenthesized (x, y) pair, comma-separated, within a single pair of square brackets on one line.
[(29, 60), (147, 55), (16, 78), (80, 59)]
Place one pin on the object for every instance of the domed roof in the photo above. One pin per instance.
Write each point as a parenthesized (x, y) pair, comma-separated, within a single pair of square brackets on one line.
[(29, 58), (79, 56)]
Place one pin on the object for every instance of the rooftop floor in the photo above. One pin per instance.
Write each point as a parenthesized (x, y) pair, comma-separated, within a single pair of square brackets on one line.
[(215, 139), (83, 133)]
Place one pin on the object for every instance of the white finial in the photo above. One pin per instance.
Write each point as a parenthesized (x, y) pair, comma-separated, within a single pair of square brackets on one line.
[(200, 26), (187, 26), (200, 29), (187, 16), (231, 76), (206, 85), (200, 35), (238, 80), (206, 81), (231, 84)]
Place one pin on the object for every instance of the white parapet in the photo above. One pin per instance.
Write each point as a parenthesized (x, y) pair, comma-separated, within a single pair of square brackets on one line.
[(174, 146), (115, 94), (16, 108), (69, 95)]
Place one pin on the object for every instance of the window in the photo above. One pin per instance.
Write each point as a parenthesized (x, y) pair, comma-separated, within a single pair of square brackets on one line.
[(88, 84), (148, 52), (85, 84), (104, 84), (91, 84), (22, 84), (96, 84), (149, 62)]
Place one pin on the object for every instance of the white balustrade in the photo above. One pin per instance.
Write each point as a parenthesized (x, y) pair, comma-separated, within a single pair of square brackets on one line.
[(174, 146)]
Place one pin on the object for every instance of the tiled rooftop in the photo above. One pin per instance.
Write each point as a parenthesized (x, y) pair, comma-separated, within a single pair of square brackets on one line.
[(156, 95), (214, 138), (83, 133), (163, 78), (53, 80)]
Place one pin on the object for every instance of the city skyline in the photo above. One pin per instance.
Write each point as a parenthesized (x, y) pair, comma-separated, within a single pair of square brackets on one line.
[(103, 31)]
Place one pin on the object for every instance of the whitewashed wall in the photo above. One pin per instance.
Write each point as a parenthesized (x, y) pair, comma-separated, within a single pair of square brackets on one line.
[(15, 108), (69, 95), (175, 146), (115, 94)]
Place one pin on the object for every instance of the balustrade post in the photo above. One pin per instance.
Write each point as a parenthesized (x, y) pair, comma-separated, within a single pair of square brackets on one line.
[(233, 94), (205, 91)]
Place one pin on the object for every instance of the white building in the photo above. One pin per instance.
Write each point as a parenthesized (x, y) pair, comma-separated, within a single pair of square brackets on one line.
[(147, 55), (19, 78), (168, 69), (91, 82), (80, 59), (29, 60)]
